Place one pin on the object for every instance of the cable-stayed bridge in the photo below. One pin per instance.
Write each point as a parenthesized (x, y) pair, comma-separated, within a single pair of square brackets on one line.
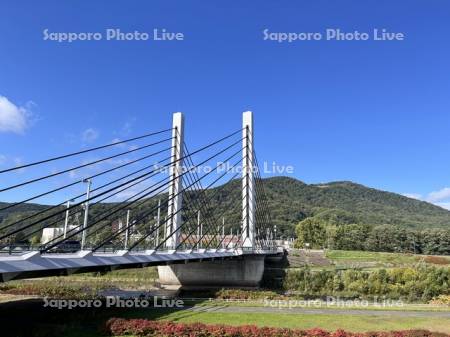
[(139, 202)]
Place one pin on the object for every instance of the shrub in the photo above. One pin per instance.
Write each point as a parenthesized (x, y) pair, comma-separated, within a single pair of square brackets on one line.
[(413, 284), (239, 294), (441, 300), (58, 290)]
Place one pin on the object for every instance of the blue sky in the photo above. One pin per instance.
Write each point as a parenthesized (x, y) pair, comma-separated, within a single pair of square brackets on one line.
[(373, 112)]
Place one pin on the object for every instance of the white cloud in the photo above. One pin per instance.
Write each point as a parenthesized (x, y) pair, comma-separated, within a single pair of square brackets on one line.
[(123, 145), (14, 118), (439, 198), (18, 162), (89, 135), (413, 195), (440, 195), (118, 140), (14, 161), (445, 205), (144, 186), (127, 128)]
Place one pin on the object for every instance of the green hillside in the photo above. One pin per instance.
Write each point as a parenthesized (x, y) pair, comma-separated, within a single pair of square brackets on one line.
[(291, 201)]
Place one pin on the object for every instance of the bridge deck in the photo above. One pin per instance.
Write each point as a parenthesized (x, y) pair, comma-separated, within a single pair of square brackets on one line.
[(33, 264)]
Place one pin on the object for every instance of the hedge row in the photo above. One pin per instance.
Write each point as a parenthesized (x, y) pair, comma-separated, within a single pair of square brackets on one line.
[(147, 328), (412, 284)]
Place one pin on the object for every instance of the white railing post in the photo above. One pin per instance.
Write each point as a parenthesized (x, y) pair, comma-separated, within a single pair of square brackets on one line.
[(248, 189), (176, 169)]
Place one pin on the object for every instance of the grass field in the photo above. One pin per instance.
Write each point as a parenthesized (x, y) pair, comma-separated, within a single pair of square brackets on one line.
[(363, 259), (356, 323), (327, 322), (141, 279)]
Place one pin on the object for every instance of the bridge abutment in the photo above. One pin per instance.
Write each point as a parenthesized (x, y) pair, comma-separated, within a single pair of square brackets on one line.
[(246, 271)]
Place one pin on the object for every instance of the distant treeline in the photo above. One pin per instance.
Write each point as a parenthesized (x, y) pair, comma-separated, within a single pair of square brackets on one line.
[(412, 284), (320, 233)]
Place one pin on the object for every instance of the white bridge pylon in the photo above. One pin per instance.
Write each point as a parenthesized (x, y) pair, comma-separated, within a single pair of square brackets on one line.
[(248, 182), (176, 187)]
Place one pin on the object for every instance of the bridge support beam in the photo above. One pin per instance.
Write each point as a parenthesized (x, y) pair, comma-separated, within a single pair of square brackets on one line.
[(246, 271), (176, 169), (248, 182)]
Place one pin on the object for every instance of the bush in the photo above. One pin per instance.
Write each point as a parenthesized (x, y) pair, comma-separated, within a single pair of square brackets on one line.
[(239, 294), (411, 284), (147, 328), (58, 290), (441, 300)]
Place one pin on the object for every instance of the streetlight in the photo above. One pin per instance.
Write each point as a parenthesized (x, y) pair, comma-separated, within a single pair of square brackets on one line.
[(66, 222), (275, 232), (223, 232)]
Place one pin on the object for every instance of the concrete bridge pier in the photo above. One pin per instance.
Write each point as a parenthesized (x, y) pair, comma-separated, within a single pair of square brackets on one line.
[(246, 271)]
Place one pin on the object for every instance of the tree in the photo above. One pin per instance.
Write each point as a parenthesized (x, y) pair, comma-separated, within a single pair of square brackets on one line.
[(35, 239), (435, 241), (388, 238), (336, 217), (311, 231), (351, 237)]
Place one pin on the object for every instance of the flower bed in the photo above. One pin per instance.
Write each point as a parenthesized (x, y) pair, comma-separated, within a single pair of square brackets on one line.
[(148, 328)]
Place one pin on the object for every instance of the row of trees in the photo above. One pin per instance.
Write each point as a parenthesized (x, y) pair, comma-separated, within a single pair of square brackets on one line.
[(412, 284), (319, 233)]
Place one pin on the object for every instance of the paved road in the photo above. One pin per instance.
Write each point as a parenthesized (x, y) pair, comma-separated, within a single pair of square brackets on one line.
[(297, 311)]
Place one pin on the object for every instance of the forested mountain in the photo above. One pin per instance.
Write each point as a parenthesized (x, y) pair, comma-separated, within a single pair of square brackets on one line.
[(291, 201)]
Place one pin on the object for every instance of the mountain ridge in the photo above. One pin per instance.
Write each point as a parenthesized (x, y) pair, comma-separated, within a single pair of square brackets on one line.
[(291, 200)]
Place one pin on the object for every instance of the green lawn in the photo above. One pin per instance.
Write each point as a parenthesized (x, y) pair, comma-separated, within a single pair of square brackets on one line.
[(355, 323), (342, 258), (141, 278)]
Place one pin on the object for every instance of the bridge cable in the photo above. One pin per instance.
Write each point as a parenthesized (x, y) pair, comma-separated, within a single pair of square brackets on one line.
[(83, 151), (94, 197), (199, 192), (210, 241), (167, 234), (90, 177), (90, 225), (83, 165), (80, 195), (114, 206)]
